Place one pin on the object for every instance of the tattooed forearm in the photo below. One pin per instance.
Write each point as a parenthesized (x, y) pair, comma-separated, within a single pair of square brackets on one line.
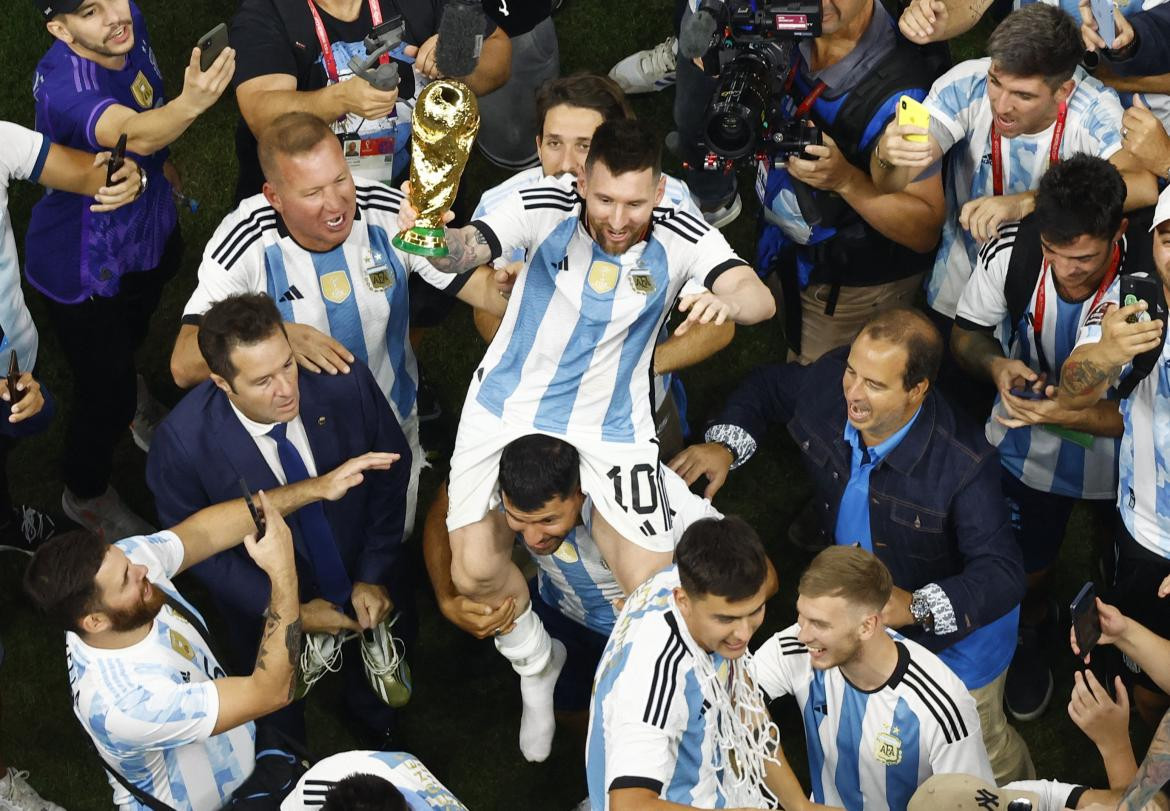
[(467, 248), (271, 623), (1083, 376), (1154, 771), (292, 645), (975, 350)]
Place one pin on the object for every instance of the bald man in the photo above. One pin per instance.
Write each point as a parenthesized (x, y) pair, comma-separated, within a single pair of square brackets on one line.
[(911, 484)]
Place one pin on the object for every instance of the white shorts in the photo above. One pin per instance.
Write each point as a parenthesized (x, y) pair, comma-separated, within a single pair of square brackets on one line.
[(621, 478)]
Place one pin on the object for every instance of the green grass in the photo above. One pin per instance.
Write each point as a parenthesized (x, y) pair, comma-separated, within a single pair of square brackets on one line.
[(464, 717)]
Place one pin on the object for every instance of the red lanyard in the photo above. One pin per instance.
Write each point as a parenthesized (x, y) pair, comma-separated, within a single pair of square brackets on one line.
[(1038, 310), (327, 46), (1053, 149), (809, 100)]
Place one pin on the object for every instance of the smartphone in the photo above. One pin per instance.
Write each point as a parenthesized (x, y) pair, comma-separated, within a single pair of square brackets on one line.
[(1135, 287), (211, 45), (257, 515), (116, 160), (914, 113), (1085, 620), (1103, 14), (1027, 394), (13, 379)]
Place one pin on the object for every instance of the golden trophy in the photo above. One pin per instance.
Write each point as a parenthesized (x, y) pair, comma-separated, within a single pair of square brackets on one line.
[(446, 119)]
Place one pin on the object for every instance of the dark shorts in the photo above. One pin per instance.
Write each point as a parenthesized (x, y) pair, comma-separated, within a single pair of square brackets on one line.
[(584, 648), (1039, 521), (1135, 592), (428, 306)]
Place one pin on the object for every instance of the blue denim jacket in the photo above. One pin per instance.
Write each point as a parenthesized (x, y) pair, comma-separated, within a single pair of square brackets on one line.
[(937, 513)]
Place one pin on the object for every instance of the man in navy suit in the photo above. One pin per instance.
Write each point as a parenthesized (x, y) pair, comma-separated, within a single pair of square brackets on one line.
[(260, 419)]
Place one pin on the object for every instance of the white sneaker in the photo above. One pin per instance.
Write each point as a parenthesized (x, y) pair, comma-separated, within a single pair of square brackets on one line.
[(17, 795), (384, 657), (648, 71), (320, 654), (148, 413), (105, 515)]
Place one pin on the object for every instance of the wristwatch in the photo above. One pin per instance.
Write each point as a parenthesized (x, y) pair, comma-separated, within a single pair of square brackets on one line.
[(882, 162), (921, 611)]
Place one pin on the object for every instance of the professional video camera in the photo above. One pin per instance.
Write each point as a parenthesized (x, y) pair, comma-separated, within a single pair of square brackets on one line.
[(749, 45)]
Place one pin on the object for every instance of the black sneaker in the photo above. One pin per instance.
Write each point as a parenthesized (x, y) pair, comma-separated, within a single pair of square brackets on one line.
[(1029, 679), (428, 404), (26, 530)]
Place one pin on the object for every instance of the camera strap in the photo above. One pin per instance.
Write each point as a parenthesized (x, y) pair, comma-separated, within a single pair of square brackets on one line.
[(327, 46), (997, 148)]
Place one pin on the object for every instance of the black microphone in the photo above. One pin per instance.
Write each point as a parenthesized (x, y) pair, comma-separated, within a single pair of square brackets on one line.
[(698, 31), (460, 37)]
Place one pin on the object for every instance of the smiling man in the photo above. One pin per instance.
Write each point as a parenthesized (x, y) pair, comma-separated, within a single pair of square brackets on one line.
[(896, 473)]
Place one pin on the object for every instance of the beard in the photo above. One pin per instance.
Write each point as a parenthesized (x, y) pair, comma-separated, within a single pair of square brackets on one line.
[(131, 619)]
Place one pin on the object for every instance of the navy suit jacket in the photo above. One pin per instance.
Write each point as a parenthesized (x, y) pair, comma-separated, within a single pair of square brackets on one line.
[(201, 450)]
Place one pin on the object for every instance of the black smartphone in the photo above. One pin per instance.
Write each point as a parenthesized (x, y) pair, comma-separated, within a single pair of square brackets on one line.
[(1085, 620), (1028, 394), (257, 514), (116, 160), (1142, 286), (211, 45), (14, 377)]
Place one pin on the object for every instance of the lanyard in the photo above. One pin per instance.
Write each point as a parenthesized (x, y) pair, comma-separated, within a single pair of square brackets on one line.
[(809, 100), (1053, 149), (327, 46), (1038, 311)]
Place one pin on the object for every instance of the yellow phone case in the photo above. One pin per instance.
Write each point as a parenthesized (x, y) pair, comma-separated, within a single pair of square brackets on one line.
[(914, 113)]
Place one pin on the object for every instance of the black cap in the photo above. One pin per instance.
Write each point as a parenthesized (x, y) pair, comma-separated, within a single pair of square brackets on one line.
[(51, 8)]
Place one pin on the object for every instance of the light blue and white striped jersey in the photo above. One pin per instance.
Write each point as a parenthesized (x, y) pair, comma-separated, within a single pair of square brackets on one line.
[(1041, 459), (1143, 462), (150, 708), (648, 720), (357, 292), (421, 789), (871, 750), (573, 354), (22, 158), (960, 117), (577, 581)]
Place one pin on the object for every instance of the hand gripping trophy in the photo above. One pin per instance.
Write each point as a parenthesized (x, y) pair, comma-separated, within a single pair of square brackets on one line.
[(446, 119)]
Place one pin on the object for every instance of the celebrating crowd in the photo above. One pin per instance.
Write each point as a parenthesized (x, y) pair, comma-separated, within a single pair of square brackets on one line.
[(969, 262)]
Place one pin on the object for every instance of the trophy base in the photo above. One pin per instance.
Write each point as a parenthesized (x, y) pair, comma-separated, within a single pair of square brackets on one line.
[(421, 241)]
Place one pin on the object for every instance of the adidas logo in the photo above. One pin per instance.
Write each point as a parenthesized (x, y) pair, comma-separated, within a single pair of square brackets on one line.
[(292, 294)]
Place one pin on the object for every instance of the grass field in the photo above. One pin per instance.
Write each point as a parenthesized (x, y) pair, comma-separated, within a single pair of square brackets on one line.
[(464, 717)]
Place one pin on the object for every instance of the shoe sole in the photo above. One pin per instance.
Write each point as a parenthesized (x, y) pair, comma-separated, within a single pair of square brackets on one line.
[(1036, 713), (732, 214)]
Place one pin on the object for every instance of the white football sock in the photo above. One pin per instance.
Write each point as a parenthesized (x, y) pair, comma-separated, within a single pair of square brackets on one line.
[(538, 659)]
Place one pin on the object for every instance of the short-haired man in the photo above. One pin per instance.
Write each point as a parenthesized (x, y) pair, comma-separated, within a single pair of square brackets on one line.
[(102, 273), (569, 110), (896, 472), (676, 721), (146, 685), (261, 419), (572, 359), (1049, 277), (1117, 351), (1002, 120), (294, 56), (881, 713), (575, 594), (370, 781), (318, 242)]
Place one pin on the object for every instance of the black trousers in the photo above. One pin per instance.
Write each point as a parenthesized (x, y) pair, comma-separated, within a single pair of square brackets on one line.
[(99, 337)]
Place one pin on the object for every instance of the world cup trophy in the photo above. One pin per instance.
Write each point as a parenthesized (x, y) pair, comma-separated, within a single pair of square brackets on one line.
[(446, 119)]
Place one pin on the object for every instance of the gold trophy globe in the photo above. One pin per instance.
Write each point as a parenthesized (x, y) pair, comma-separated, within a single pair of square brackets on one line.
[(446, 119)]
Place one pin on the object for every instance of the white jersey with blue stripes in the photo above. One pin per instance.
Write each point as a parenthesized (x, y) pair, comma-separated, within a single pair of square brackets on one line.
[(357, 292), (1143, 461), (871, 750), (648, 720), (22, 158), (421, 789), (150, 708), (1040, 458), (573, 354), (576, 580), (960, 120)]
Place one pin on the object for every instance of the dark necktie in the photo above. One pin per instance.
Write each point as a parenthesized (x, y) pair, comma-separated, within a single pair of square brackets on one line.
[(332, 578)]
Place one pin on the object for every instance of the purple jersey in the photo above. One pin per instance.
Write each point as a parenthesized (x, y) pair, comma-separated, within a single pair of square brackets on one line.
[(72, 253)]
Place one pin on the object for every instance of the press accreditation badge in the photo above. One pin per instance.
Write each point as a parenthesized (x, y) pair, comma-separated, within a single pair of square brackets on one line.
[(377, 272), (641, 281), (351, 147)]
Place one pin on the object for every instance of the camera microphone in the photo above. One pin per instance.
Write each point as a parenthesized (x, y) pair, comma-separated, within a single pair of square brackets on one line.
[(460, 37), (698, 30)]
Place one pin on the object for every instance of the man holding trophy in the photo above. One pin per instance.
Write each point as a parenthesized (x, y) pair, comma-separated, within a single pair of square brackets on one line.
[(572, 358)]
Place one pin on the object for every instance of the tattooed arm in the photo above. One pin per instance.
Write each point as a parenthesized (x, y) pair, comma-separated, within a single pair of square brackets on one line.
[(1145, 790), (1092, 368), (467, 247), (274, 678)]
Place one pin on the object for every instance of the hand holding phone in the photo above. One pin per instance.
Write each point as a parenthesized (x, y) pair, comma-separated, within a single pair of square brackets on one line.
[(1103, 15), (14, 395), (1085, 620), (211, 45), (257, 513), (116, 161), (1027, 394), (914, 113)]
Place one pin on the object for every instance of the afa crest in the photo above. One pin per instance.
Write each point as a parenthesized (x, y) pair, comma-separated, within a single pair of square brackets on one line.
[(335, 286), (567, 552), (887, 748), (603, 276)]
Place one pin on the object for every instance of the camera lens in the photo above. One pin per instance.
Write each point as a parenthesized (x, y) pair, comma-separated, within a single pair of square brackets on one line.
[(741, 97)]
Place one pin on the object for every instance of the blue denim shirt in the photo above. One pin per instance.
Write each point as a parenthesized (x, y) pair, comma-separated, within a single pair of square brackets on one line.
[(937, 515), (853, 514)]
